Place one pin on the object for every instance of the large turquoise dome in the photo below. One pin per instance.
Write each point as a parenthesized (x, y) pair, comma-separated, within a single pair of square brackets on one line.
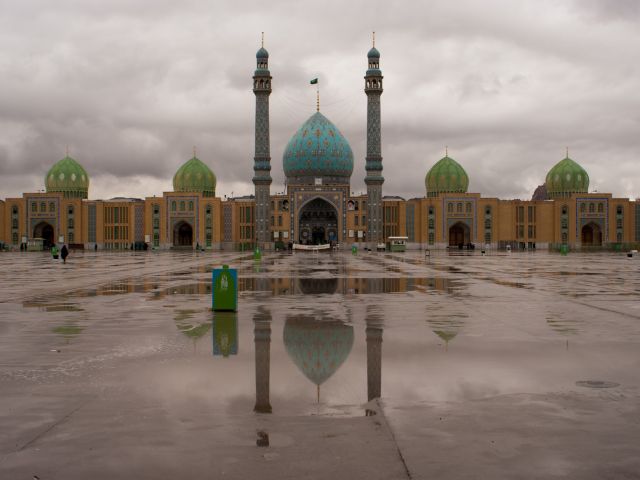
[(68, 177), (318, 149), (446, 176), (195, 176), (565, 178)]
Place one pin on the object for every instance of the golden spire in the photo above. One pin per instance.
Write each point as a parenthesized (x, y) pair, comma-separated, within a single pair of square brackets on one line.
[(374, 39), (262, 40)]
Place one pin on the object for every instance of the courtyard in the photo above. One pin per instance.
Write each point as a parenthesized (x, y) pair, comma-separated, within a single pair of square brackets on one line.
[(375, 365)]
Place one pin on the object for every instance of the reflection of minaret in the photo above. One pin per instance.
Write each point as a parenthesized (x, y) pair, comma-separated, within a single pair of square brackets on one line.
[(374, 178), (374, 354), (262, 158), (262, 339)]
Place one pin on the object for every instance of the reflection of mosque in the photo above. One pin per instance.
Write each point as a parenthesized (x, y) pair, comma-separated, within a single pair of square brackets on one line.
[(318, 347)]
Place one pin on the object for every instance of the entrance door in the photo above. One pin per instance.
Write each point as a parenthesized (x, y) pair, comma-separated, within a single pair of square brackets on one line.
[(44, 230), (182, 235), (319, 219), (318, 236), (459, 234), (591, 235)]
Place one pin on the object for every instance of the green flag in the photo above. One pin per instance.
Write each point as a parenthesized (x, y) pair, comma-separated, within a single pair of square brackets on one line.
[(314, 81)]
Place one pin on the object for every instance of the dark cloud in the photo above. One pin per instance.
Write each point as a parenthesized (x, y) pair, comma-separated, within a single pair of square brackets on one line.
[(132, 86)]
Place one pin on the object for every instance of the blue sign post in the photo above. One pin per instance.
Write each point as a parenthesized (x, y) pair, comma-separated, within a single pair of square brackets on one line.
[(225, 289)]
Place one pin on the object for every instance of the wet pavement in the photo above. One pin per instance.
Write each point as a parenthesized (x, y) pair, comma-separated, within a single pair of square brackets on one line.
[(378, 365)]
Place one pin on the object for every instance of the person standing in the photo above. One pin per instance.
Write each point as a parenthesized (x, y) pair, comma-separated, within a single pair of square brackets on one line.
[(54, 252), (64, 253)]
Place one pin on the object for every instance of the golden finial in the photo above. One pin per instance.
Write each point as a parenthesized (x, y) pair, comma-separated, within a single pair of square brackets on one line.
[(374, 39), (262, 39)]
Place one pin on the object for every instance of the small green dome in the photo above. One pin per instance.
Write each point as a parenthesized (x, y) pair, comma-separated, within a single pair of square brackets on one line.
[(195, 176), (68, 177), (373, 53), (262, 53), (565, 178), (318, 149), (446, 176)]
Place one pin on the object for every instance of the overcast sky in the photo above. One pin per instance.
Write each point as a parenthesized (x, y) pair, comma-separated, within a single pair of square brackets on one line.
[(132, 86)]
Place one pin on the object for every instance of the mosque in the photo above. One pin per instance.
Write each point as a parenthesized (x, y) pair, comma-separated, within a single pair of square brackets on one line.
[(318, 206)]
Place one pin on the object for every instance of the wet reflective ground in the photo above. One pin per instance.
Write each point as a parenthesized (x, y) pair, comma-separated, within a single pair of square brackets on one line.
[(519, 365)]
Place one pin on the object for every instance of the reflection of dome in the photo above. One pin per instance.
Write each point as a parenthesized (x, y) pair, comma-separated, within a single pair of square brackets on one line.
[(318, 149), (446, 176), (195, 176), (566, 177), (68, 177), (310, 286), (318, 348), (446, 327)]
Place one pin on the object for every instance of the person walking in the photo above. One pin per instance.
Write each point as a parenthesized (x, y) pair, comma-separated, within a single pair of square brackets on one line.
[(54, 252), (64, 253)]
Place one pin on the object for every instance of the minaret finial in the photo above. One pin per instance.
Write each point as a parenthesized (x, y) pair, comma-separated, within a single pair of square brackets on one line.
[(318, 99), (446, 151), (262, 40), (374, 39), (567, 152), (67, 150), (194, 151)]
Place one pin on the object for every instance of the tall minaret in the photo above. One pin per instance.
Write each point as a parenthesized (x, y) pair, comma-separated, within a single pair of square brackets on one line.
[(374, 178), (262, 158)]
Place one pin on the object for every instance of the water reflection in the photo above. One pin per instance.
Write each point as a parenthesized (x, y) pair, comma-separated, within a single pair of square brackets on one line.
[(374, 352), (191, 329), (447, 326), (225, 333), (317, 345), (68, 331), (262, 341)]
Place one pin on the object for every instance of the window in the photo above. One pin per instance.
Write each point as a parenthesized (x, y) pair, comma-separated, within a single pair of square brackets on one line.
[(70, 210), (468, 207), (431, 223), (592, 208), (487, 223), (208, 210), (565, 210), (600, 207), (272, 221), (459, 207), (14, 210), (43, 207), (182, 206), (191, 206), (34, 207), (487, 211), (14, 223), (431, 211), (156, 223), (156, 210), (52, 207), (364, 219), (279, 220), (355, 220), (564, 237), (450, 207), (70, 223), (619, 210), (173, 206), (583, 207), (14, 238)]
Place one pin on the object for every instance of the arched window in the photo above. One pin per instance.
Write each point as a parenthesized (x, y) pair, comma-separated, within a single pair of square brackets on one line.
[(14, 223), (173, 206), (156, 209), (468, 207), (70, 210), (191, 206), (592, 208), (70, 223), (52, 207), (43, 207), (487, 211), (583, 207), (565, 210), (459, 207), (450, 207), (14, 210), (34, 207), (182, 206), (600, 207), (487, 223), (619, 210)]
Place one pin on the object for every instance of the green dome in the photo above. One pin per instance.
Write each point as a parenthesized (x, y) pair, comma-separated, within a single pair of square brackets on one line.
[(373, 53), (446, 176), (566, 178), (195, 176), (262, 53), (68, 177), (318, 149)]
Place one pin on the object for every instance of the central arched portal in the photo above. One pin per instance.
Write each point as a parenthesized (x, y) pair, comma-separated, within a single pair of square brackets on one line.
[(591, 235), (459, 234), (44, 230), (318, 223), (182, 234)]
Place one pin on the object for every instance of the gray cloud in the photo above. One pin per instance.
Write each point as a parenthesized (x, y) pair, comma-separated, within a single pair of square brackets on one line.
[(132, 86)]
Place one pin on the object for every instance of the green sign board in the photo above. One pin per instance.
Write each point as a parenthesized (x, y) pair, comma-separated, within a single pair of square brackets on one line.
[(225, 289)]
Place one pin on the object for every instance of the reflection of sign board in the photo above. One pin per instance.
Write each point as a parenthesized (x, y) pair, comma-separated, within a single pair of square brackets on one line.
[(225, 334), (318, 181), (225, 289)]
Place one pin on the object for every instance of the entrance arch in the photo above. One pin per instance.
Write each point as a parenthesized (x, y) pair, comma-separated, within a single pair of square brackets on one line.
[(591, 235), (459, 234), (44, 230), (182, 234), (318, 223)]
